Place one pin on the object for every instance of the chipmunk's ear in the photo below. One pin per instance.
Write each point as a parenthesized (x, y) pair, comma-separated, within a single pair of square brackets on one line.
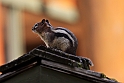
[(43, 21), (47, 21)]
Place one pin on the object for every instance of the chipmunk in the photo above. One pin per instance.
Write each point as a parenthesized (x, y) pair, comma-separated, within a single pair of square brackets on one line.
[(58, 38)]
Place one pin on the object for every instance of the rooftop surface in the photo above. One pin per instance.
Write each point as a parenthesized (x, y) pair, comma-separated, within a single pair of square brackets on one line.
[(53, 59)]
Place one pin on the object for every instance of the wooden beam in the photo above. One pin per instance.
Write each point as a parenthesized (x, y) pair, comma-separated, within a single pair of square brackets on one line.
[(107, 21), (2, 56)]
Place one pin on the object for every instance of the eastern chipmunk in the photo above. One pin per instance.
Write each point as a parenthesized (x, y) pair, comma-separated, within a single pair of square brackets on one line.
[(58, 38)]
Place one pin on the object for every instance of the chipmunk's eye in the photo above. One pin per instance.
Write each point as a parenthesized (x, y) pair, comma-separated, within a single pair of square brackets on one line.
[(36, 25)]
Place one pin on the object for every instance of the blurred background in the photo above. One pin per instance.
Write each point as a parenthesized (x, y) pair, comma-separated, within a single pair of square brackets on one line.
[(98, 25)]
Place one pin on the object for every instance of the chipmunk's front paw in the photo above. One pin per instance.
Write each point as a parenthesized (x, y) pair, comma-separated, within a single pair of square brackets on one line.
[(86, 63)]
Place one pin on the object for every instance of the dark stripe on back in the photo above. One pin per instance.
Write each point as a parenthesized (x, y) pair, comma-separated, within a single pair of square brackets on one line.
[(63, 35), (70, 33)]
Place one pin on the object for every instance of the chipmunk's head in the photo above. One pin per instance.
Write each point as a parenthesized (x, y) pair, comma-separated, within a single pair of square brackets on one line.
[(43, 26)]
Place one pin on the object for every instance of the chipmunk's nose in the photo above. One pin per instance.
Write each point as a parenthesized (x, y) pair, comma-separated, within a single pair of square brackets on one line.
[(35, 26)]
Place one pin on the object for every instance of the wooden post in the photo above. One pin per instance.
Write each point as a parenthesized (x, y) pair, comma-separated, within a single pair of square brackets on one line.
[(15, 40), (2, 59), (107, 21)]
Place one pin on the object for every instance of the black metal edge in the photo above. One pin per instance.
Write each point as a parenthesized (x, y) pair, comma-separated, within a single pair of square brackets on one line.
[(9, 75), (79, 61), (79, 73), (35, 55), (88, 75), (22, 61), (56, 58), (32, 57), (60, 53)]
